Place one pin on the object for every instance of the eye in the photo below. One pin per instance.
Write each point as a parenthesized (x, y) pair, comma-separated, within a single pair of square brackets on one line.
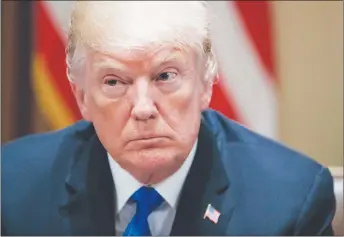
[(111, 82), (113, 86), (165, 76)]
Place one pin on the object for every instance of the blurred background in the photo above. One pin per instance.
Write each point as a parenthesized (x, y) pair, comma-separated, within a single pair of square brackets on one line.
[(281, 71)]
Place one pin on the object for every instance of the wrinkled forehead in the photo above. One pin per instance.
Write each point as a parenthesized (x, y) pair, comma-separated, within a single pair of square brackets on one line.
[(140, 26), (165, 57)]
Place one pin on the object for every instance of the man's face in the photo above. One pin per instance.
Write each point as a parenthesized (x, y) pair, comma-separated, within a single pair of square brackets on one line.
[(145, 107)]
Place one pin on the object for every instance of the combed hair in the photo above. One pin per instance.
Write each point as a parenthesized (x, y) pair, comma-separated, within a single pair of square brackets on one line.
[(105, 26)]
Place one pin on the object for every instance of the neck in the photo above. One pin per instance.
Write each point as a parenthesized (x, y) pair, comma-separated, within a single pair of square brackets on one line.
[(153, 175)]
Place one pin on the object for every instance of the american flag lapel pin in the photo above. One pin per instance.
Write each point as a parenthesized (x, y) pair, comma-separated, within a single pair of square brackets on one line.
[(212, 214)]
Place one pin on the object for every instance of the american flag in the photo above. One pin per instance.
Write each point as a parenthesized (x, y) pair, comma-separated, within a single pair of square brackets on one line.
[(242, 37), (212, 214)]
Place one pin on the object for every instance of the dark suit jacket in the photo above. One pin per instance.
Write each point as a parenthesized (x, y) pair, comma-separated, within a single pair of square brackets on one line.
[(59, 183)]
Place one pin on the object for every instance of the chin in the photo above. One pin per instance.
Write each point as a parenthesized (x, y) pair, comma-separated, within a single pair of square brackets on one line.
[(156, 157), (157, 162)]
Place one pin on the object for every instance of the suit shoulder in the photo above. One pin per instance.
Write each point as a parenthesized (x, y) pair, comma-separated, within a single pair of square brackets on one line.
[(37, 148), (260, 152)]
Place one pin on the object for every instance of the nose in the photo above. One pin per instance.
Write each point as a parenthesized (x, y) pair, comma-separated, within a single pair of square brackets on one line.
[(144, 107)]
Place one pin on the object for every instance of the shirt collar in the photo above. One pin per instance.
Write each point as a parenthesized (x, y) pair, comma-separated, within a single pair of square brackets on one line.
[(169, 188)]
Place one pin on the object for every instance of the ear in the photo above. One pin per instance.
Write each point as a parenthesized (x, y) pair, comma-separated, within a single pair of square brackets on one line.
[(80, 97), (206, 95)]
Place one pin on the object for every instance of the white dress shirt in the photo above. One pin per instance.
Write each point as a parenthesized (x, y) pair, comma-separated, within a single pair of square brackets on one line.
[(161, 219)]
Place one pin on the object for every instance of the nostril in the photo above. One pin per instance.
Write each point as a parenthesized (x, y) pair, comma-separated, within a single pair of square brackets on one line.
[(144, 118)]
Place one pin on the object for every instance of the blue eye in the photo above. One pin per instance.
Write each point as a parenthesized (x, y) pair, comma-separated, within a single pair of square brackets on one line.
[(165, 76)]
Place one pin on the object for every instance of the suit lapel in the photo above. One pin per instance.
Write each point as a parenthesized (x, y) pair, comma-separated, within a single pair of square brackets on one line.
[(206, 183), (87, 203)]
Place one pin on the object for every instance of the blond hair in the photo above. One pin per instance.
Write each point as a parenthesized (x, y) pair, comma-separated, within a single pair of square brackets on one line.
[(93, 25)]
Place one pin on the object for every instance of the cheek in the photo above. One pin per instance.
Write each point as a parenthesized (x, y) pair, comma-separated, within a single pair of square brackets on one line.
[(108, 116), (182, 109), (102, 107)]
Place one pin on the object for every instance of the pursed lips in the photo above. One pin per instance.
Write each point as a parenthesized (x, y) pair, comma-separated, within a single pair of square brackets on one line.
[(150, 137), (143, 142)]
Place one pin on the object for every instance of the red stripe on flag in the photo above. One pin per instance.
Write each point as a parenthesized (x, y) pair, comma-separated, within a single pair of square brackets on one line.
[(256, 16), (49, 44)]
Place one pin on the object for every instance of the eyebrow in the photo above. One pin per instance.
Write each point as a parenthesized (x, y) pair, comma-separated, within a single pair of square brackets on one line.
[(175, 56), (107, 64)]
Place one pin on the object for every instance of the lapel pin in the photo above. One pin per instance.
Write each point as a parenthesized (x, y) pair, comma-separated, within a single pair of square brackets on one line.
[(212, 214)]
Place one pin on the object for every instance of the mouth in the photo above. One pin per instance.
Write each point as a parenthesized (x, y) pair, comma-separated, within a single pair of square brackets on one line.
[(148, 141), (148, 138)]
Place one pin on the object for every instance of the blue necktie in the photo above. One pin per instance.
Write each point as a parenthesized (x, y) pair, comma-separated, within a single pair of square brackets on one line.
[(147, 199)]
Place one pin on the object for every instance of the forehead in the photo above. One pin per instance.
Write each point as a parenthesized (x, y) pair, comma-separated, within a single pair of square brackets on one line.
[(148, 57)]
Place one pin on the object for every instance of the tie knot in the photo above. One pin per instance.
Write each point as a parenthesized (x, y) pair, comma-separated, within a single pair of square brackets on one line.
[(147, 198)]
